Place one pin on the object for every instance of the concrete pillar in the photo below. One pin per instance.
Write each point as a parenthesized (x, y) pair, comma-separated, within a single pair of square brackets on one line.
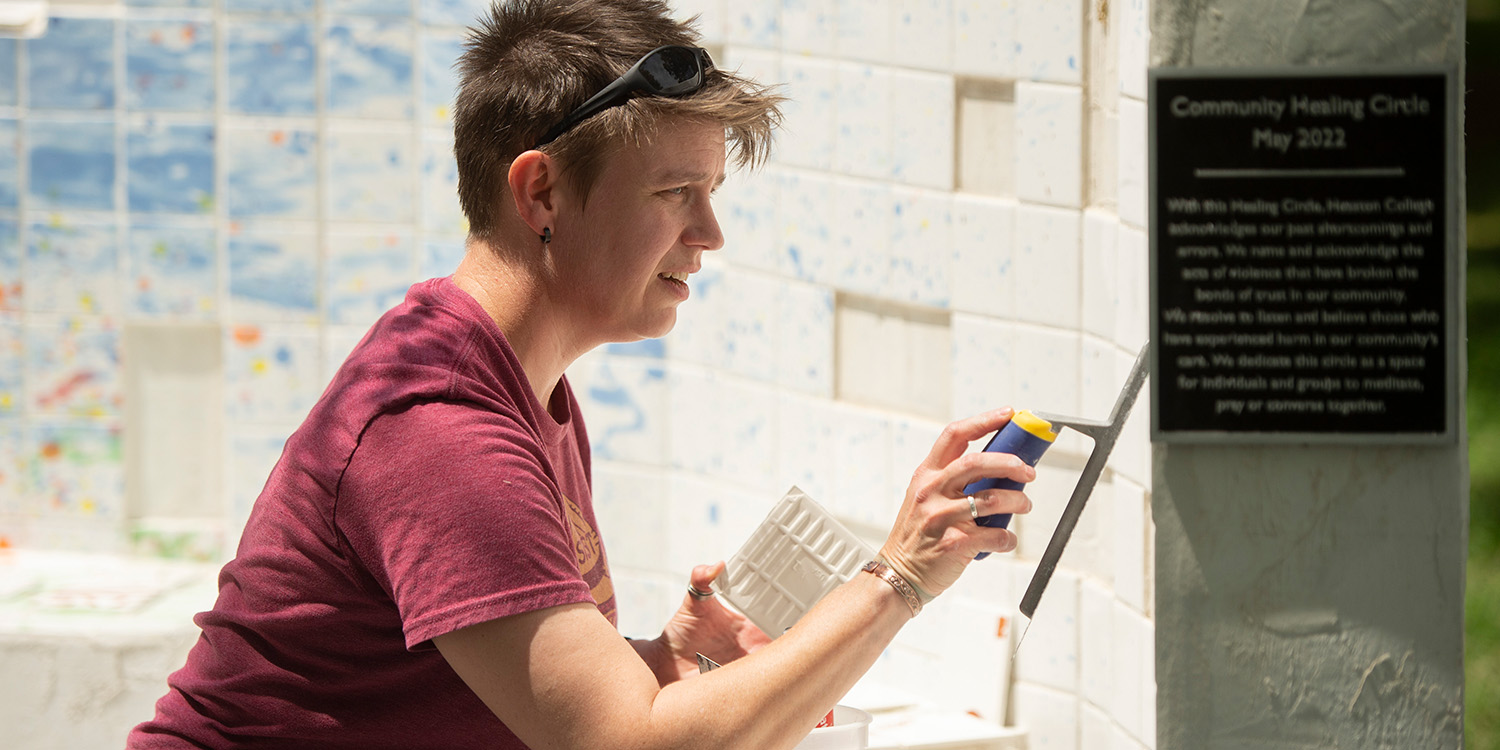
[(1311, 595)]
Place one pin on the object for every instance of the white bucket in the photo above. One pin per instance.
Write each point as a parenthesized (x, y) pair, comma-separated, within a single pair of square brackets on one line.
[(850, 731)]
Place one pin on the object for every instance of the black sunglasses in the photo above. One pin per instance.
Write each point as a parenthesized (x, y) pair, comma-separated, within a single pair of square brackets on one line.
[(665, 71)]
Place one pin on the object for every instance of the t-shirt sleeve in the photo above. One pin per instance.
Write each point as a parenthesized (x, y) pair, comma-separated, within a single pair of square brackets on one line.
[(450, 509)]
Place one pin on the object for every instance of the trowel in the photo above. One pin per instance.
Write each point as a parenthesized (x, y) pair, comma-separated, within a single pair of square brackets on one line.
[(1104, 434)]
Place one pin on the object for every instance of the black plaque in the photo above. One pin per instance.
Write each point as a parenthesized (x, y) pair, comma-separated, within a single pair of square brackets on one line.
[(1302, 255)]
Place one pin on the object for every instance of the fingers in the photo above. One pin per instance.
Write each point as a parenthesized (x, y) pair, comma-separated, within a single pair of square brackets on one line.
[(981, 465), (703, 575), (956, 436), (992, 502)]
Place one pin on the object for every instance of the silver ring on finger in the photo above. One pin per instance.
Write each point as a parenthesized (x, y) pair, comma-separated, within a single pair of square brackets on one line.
[(973, 509), (698, 594)]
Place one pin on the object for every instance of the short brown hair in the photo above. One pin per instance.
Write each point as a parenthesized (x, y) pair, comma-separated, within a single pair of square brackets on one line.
[(529, 63)]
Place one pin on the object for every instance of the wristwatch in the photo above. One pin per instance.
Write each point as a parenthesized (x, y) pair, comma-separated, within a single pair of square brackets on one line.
[(882, 571)]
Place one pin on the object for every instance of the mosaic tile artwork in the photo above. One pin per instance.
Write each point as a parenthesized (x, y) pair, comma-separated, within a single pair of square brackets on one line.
[(12, 350), (72, 268), (271, 373), (172, 3), (72, 66), (71, 164), (288, 6), (10, 162), (439, 79), (451, 12), (369, 176), (272, 172), (440, 209), (10, 266), (366, 275), (76, 469), (9, 91), (73, 366), (172, 271), (440, 258), (369, 68), (273, 277), (267, 67), (12, 472), (369, 7), (171, 167), (169, 65)]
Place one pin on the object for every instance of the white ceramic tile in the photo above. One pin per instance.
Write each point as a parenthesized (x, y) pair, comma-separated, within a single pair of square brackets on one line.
[(645, 600), (921, 247), (748, 340), (1095, 730), (808, 27), (861, 231), (756, 24), (862, 142), (736, 443), (338, 342), (1046, 254), (1099, 381), (441, 212), (1133, 176), (922, 131), (894, 361), (804, 445), (983, 275), (1103, 160), (1096, 620), (1100, 294), (1132, 456), (804, 338), (1129, 522), (1049, 41), (986, 145), (700, 319), (1049, 716), (1047, 370), (995, 580), (985, 356), (272, 373), (911, 442), (759, 65), (1133, 660), (1049, 496), (713, 18), (810, 232), (863, 29), (368, 175), (1132, 324), (973, 659), (984, 37), (861, 447), (700, 529), (746, 206), (71, 366), (1049, 143), (624, 400), (1049, 654), (809, 115), (1133, 27), (922, 34), (633, 507)]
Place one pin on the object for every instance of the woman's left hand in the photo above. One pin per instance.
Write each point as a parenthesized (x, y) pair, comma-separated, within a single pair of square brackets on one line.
[(704, 626)]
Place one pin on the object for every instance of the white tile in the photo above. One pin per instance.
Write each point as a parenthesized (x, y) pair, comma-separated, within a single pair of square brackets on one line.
[(1132, 322), (755, 24), (1096, 618), (1095, 730), (922, 34), (986, 144), (1099, 378), (1129, 522), (804, 444), (808, 27), (1047, 371), (1132, 456), (1049, 496), (984, 365), (809, 114), (700, 319), (1049, 143), (1133, 175), (633, 508), (995, 580), (1100, 278), (863, 29), (1133, 27), (983, 274), (1047, 249), (809, 231), (760, 65), (646, 600), (921, 247), (624, 400), (746, 206), (804, 338), (1049, 41), (984, 38), (911, 442), (713, 18), (973, 659), (1049, 654), (862, 143), (860, 261), (861, 447), (707, 520), (1103, 158), (744, 422), (1049, 716), (1133, 661), (748, 340), (922, 130)]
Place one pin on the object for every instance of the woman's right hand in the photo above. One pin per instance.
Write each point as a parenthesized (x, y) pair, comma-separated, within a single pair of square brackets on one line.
[(935, 537)]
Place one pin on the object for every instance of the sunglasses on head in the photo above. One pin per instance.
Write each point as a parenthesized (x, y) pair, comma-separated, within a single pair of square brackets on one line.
[(673, 70)]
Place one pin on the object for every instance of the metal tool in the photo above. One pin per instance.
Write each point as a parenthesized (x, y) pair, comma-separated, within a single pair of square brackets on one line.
[(1104, 434)]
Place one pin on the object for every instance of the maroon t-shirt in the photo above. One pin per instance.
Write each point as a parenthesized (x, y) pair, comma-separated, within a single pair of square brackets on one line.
[(427, 490)]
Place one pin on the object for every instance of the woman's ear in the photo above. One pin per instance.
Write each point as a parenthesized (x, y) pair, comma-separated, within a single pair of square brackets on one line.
[(533, 181)]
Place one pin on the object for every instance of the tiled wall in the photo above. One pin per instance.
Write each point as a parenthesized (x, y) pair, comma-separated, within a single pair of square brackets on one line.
[(953, 221)]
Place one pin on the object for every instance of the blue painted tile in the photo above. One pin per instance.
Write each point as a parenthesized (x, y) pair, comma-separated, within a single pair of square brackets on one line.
[(73, 366), (9, 80), (169, 65), (272, 172), (370, 177), (171, 167), (441, 257), (273, 277), (255, 6), (72, 65), (270, 67), (452, 12), (12, 350), (366, 275), (10, 163), (441, 212), (173, 3), (72, 268), (173, 271), (369, 65), (10, 266), (72, 164), (439, 79), (369, 7), (78, 469), (271, 374)]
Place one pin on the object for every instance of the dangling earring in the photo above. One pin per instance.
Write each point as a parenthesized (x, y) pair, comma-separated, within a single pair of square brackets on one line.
[(546, 235)]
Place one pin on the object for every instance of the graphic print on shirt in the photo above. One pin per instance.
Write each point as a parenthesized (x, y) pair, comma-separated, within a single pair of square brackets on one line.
[(591, 563)]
